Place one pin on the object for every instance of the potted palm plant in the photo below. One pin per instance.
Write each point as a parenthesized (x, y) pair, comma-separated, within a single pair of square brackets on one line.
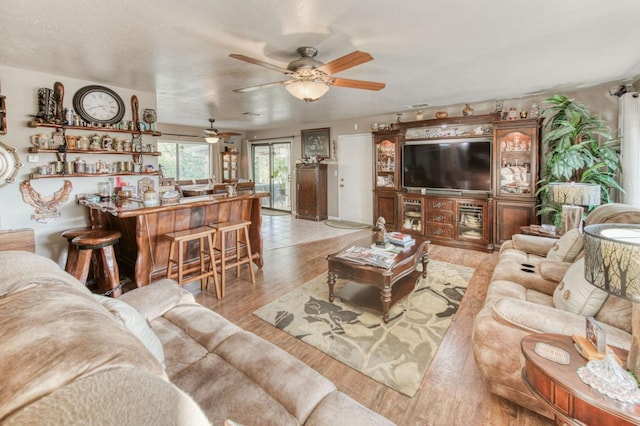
[(281, 176), (579, 148)]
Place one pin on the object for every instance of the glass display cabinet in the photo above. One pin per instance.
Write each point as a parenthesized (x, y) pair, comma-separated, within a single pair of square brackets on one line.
[(412, 214), (471, 220), (386, 164), (516, 150)]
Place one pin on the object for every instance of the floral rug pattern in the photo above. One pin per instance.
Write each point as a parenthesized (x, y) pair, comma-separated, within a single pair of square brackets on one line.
[(396, 354)]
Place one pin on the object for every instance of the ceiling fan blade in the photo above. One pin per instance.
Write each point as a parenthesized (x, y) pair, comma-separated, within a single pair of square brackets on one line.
[(349, 60), (223, 135), (260, 86), (358, 84), (260, 63)]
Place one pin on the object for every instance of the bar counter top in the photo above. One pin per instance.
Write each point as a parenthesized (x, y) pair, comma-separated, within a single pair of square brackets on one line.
[(129, 207), (142, 252)]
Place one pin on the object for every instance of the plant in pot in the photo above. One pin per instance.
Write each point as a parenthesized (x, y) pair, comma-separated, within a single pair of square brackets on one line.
[(579, 148), (281, 176)]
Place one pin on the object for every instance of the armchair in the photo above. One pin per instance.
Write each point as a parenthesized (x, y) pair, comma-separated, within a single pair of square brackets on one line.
[(538, 286)]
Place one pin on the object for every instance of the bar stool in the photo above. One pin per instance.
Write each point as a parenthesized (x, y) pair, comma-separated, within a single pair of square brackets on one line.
[(72, 249), (98, 243), (194, 272), (229, 260)]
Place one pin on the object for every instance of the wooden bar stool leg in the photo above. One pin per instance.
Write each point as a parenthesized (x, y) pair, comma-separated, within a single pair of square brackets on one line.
[(223, 262), (172, 247), (80, 269), (248, 248), (238, 257), (180, 262), (212, 264), (204, 281), (110, 277)]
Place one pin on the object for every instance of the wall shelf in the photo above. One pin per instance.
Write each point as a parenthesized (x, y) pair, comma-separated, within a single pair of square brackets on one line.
[(34, 123)]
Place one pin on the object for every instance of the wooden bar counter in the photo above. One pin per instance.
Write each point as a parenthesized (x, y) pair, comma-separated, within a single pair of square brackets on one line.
[(143, 250)]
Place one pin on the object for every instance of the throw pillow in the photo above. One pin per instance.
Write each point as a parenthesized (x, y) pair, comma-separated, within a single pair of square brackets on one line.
[(575, 294), (567, 248), (133, 321)]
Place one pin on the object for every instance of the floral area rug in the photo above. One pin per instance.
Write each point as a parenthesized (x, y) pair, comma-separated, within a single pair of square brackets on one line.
[(396, 354)]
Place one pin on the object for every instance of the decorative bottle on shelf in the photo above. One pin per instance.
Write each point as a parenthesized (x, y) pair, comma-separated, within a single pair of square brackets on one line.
[(467, 110)]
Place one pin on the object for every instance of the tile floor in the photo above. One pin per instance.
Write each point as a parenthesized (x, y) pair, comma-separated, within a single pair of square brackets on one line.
[(285, 230)]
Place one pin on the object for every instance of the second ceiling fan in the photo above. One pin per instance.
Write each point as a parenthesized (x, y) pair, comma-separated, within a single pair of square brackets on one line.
[(310, 78), (212, 135)]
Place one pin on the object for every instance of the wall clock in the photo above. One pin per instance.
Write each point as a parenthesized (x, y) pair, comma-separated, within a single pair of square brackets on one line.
[(98, 104)]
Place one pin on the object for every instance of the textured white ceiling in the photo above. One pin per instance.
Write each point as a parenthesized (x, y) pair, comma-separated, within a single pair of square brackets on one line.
[(436, 52)]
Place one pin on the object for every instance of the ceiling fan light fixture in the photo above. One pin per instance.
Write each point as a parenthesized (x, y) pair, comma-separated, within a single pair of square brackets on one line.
[(212, 139), (307, 90)]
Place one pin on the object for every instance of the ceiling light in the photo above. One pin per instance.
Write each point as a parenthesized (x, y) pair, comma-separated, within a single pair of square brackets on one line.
[(307, 90), (212, 139)]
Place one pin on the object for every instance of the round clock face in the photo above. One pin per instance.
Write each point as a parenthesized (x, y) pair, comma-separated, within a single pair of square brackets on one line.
[(98, 104)]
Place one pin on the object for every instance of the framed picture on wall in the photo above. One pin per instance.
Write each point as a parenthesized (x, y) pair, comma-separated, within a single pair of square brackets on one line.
[(316, 142)]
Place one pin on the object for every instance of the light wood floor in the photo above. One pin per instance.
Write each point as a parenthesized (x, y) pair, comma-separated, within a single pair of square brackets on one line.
[(452, 392)]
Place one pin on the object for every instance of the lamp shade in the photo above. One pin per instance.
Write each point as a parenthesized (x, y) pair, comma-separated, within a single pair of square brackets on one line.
[(307, 90), (212, 139), (612, 259), (578, 194)]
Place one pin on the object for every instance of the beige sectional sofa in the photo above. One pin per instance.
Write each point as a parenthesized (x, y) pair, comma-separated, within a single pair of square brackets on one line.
[(538, 286), (152, 356)]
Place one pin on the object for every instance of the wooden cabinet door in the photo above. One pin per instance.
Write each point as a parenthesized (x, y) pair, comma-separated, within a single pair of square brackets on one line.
[(385, 204), (311, 194), (510, 216)]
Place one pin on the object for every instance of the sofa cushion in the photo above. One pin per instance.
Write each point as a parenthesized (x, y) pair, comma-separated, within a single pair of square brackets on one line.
[(133, 321), (567, 248), (153, 300), (575, 294), (119, 396), (52, 335)]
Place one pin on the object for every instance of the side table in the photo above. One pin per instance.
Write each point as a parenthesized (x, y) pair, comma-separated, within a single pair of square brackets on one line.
[(559, 387)]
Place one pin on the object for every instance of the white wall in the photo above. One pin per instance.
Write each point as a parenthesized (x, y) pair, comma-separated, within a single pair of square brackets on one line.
[(20, 88)]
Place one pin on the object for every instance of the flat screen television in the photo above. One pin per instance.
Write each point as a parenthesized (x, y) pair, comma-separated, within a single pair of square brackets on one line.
[(447, 164)]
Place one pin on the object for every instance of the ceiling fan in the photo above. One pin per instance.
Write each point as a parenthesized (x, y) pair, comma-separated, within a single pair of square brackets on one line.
[(310, 78), (212, 135)]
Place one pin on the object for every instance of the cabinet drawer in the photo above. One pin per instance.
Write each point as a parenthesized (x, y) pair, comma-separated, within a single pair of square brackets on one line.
[(439, 204), (440, 217), (443, 231)]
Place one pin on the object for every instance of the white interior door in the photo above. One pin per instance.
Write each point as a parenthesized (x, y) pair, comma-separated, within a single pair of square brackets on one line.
[(355, 178)]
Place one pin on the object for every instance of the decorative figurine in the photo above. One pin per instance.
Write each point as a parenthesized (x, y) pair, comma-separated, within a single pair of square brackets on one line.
[(381, 232), (467, 110)]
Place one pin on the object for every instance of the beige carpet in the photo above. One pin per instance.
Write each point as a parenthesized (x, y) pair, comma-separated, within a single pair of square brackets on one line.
[(396, 354)]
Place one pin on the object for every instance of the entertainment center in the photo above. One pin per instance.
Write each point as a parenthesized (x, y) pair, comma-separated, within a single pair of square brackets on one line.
[(466, 182)]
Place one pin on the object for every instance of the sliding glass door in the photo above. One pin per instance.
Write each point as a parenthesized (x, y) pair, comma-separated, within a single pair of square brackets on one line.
[(272, 173)]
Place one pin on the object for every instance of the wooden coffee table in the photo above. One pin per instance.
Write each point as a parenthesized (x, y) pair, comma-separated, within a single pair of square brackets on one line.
[(373, 287)]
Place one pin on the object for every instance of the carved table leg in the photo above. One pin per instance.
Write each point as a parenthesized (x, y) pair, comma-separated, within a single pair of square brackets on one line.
[(385, 298), (331, 281), (425, 262)]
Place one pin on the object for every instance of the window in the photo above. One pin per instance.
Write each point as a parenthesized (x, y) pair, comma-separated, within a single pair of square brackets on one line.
[(185, 160)]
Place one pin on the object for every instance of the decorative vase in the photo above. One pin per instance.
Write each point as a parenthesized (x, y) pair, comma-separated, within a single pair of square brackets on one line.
[(419, 115), (467, 110), (442, 114)]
